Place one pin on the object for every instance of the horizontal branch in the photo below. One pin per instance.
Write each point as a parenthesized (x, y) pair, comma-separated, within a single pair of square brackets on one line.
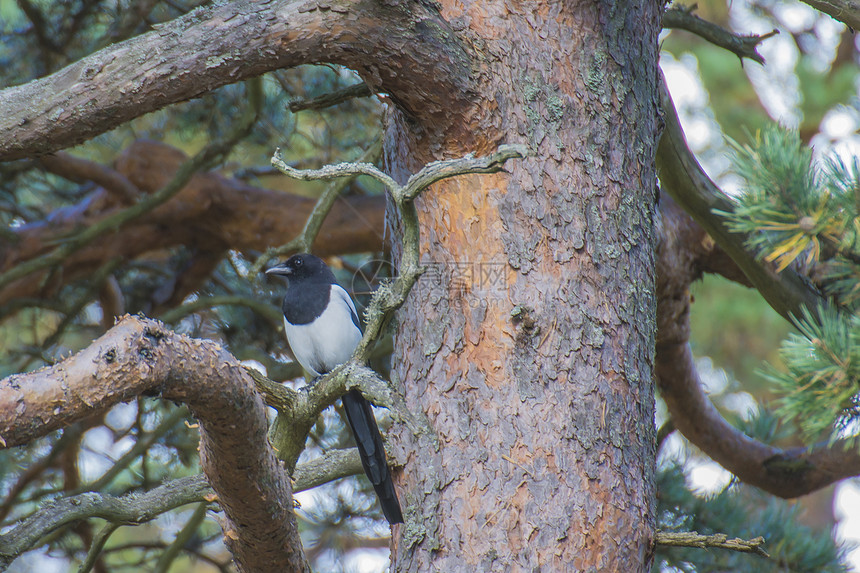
[(226, 42), (682, 18), (129, 509), (334, 171), (718, 540), (211, 210), (139, 356), (845, 11), (136, 508), (469, 165), (331, 99)]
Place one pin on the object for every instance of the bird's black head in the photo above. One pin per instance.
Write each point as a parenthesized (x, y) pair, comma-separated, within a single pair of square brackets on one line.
[(303, 267)]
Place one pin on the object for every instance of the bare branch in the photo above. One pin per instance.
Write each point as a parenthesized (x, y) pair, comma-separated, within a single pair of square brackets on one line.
[(305, 240), (719, 540), (845, 11), (79, 170), (227, 42), (332, 99), (682, 18), (439, 170), (129, 509), (334, 171), (138, 508)]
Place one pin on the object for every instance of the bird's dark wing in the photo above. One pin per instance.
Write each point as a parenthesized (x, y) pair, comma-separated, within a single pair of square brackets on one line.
[(372, 452)]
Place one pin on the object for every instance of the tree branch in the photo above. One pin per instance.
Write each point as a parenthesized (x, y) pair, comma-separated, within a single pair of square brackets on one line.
[(719, 540), (79, 170), (129, 509), (138, 356), (682, 18), (210, 209), (331, 99), (226, 42), (303, 242), (135, 508), (785, 473), (211, 153), (845, 11), (683, 179)]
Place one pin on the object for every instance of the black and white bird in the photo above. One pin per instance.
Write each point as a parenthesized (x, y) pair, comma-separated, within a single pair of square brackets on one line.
[(323, 330)]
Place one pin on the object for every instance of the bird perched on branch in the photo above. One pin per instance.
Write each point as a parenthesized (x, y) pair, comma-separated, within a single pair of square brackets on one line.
[(323, 330)]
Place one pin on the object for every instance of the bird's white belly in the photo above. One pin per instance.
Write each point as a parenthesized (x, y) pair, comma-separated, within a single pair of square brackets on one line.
[(323, 344)]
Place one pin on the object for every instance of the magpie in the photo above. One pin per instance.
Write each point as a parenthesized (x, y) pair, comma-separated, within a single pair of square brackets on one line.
[(323, 330)]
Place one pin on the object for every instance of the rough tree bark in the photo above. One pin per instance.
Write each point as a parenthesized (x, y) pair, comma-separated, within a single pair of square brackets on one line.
[(529, 344)]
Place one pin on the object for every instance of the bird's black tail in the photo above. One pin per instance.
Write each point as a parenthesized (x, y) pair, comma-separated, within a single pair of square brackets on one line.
[(372, 451)]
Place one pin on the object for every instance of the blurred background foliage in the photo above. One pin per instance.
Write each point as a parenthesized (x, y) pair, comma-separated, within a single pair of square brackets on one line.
[(810, 84)]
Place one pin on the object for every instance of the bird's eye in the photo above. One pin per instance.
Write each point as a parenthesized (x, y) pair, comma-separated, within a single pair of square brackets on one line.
[(298, 262)]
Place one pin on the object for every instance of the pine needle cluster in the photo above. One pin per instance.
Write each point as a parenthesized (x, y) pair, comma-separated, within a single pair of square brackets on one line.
[(802, 213)]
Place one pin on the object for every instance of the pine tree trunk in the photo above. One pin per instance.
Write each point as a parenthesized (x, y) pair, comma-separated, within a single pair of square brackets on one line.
[(529, 343)]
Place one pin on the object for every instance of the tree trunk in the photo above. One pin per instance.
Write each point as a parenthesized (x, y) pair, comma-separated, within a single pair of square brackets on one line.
[(529, 342)]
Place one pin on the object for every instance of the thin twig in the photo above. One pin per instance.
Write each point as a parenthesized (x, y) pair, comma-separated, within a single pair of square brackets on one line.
[(331, 99), (682, 18), (97, 545), (304, 241), (169, 555), (334, 171)]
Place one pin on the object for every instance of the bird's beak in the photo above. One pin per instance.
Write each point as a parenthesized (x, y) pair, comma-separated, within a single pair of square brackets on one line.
[(281, 270)]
